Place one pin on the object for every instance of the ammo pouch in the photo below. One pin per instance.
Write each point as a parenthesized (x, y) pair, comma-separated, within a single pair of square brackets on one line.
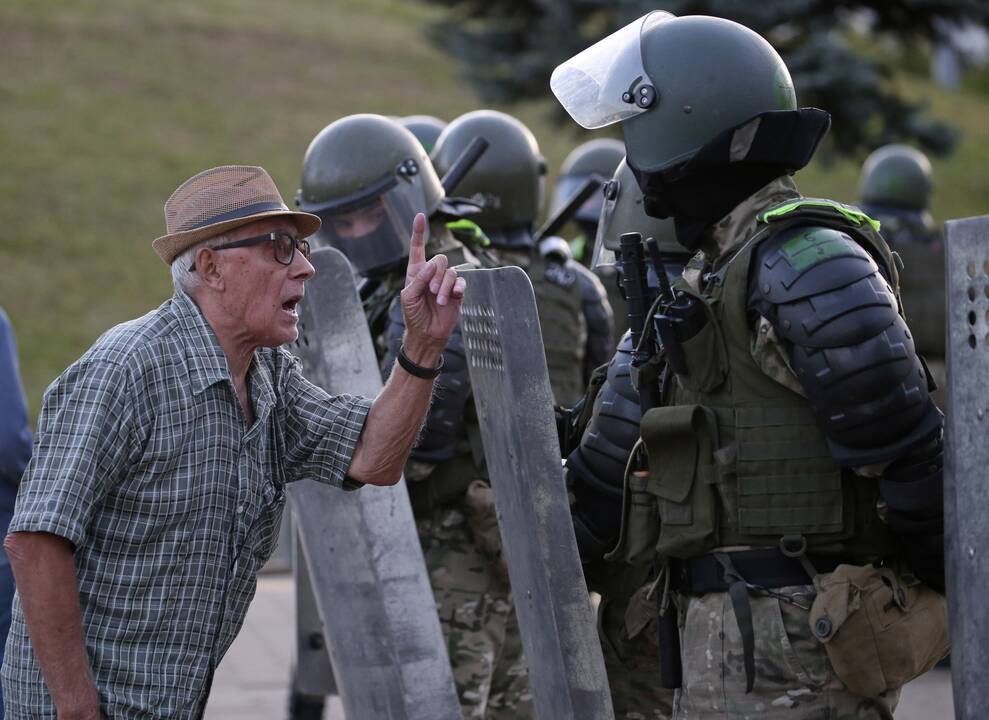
[(672, 509), (879, 632), (680, 442)]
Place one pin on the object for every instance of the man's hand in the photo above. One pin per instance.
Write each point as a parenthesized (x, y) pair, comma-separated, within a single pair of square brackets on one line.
[(430, 301)]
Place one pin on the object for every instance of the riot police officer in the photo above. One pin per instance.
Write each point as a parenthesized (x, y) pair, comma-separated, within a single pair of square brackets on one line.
[(607, 430), (895, 189), (790, 476), (426, 128), (366, 177), (596, 158), (573, 312)]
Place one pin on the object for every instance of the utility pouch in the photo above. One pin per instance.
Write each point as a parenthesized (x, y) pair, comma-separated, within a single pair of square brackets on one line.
[(640, 517), (482, 519), (879, 631), (680, 442)]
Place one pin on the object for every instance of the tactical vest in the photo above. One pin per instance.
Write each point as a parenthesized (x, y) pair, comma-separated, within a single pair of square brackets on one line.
[(737, 459), (564, 329)]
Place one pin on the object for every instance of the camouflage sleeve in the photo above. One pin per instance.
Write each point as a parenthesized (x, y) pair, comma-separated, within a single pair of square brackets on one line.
[(772, 356)]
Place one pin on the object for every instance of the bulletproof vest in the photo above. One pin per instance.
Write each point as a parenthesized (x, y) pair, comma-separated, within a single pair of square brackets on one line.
[(736, 458), (564, 329)]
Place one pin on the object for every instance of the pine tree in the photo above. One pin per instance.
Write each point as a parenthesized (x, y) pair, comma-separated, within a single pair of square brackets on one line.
[(508, 49)]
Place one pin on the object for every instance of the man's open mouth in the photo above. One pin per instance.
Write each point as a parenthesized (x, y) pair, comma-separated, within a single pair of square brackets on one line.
[(291, 305)]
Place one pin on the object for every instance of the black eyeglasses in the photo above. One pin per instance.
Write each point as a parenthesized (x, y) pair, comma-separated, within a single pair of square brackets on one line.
[(284, 245)]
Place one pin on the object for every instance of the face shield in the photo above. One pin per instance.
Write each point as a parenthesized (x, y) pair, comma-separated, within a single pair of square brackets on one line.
[(604, 244), (373, 227), (607, 83)]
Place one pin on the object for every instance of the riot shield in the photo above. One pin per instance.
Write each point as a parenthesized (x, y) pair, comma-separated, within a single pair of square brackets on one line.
[(966, 501), (511, 390), (364, 561)]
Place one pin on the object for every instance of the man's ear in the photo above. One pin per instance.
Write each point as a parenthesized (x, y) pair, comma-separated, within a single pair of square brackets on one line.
[(208, 266)]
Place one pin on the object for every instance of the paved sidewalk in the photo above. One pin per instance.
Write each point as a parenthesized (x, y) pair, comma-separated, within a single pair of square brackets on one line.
[(252, 681)]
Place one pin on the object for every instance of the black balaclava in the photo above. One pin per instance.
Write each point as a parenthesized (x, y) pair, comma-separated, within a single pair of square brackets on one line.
[(729, 168)]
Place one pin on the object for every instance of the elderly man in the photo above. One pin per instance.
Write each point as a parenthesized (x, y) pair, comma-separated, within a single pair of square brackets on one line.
[(157, 483)]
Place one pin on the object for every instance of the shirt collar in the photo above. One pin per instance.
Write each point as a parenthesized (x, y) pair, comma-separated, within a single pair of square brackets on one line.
[(207, 363)]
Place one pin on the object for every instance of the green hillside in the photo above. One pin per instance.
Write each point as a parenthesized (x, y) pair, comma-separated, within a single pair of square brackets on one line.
[(108, 105)]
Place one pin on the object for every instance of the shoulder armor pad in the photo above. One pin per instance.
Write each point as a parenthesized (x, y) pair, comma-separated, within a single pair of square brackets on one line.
[(849, 347), (809, 260)]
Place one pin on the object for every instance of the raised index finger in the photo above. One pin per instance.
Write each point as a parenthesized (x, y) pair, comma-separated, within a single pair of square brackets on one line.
[(417, 248)]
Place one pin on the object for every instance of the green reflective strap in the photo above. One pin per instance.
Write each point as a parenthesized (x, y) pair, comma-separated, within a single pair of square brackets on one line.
[(854, 214), (470, 229), (578, 246)]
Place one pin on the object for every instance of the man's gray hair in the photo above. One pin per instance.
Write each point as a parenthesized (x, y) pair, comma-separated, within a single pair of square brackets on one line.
[(182, 277)]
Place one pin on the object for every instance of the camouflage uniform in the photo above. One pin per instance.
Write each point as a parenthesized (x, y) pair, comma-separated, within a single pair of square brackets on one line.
[(795, 679), (477, 615), (630, 643)]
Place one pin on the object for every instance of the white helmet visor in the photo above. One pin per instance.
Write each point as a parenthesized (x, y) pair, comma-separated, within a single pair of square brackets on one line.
[(607, 82)]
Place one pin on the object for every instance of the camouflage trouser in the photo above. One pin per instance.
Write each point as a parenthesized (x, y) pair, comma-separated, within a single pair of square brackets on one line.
[(478, 619), (793, 677), (632, 664)]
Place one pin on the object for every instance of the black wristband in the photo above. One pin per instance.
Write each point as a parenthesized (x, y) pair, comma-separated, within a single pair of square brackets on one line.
[(418, 370)]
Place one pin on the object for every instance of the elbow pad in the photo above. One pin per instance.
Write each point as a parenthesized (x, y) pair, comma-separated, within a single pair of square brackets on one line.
[(596, 469), (613, 428), (849, 347)]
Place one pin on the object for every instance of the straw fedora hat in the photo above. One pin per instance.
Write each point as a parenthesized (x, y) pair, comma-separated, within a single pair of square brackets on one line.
[(221, 199)]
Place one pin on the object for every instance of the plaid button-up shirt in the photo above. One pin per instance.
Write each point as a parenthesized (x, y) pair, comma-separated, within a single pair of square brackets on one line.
[(142, 460)]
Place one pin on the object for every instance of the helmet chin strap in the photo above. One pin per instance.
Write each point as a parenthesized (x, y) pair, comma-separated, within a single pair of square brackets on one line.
[(729, 168)]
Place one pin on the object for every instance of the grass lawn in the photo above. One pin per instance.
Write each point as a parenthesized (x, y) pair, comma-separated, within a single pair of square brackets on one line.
[(108, 105)]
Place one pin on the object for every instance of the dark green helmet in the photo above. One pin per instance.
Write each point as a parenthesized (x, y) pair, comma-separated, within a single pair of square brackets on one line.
[(366, 177), (597, 157), (623, 212), (674, 84), (508, 177), (426, 128), (896, 176)]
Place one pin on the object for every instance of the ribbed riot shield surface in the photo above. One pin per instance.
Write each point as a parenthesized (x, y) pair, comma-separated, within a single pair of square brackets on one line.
[(515, 407), (365, 564), (966, 502)]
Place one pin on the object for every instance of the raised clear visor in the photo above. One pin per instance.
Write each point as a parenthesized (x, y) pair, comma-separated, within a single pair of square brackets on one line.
[(604, 245), (594, 85)]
